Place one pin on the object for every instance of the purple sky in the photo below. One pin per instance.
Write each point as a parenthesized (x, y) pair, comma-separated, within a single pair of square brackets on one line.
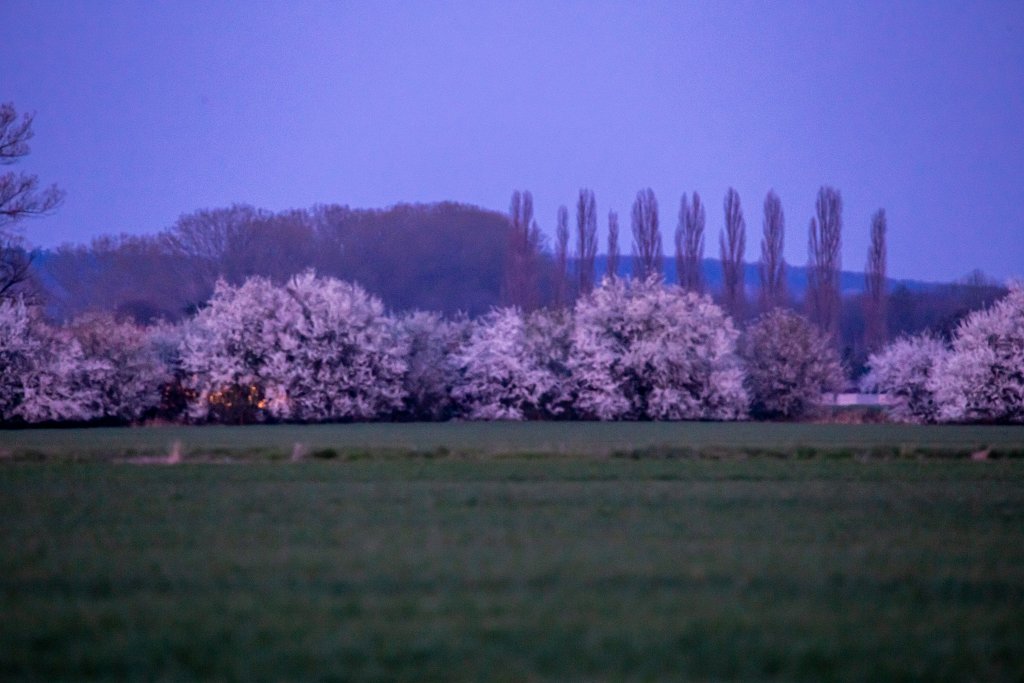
[(146, 110)]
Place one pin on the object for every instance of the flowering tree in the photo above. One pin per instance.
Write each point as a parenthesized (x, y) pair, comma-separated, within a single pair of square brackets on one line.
[(643, 350), (789, 363), (509, 366), (19, 351), (126, 370), (982, 378), (44, 375), (347, 357), (234, 353), (315, 349), (907, 370), (431, 342)]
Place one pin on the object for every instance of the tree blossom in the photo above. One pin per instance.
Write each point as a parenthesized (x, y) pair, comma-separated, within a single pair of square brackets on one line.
[(508, 368), (315, 349), (125, 367), (789, 363), (907, 371), (644, 350), (44, 376), (344, 358), (982, 378), (431, 372)]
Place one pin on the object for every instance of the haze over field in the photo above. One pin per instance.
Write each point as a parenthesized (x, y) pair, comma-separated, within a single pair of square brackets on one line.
[(145, 112)]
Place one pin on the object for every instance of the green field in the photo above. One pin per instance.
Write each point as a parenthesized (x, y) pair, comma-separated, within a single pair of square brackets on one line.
[(598, 552), (487, 439)]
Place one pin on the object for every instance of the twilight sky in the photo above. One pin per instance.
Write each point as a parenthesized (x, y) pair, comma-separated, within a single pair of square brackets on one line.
[(147, 110)]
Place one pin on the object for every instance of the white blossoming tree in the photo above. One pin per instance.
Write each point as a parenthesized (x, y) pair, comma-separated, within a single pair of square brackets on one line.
[(789, 363), (126, 370), (44, 376), (315, 349), (345, 358), (234, 353), (508, 368), (19, 351), (907, 371), (644, 350), (982, 378), (432, 342)]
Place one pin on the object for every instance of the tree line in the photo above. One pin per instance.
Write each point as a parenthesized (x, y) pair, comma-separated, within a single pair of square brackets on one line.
[(823, 295), (239, 336), (318, 349), (451, 257)]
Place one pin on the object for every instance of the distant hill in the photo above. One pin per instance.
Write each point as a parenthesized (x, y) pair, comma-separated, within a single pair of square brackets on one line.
[(850, 282)]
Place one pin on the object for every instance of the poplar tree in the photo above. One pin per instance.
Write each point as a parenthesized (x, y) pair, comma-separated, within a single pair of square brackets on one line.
[(772, 267), (732, 245), (586, 240)]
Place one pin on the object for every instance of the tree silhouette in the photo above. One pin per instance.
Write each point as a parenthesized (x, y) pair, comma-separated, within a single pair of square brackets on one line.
[(586, 240), (732, 245), (772, 267), (825, 260), (875, 332), (562, 258), (613, 244), (647, 250), (522, 260), (20, 197), (690, 244)]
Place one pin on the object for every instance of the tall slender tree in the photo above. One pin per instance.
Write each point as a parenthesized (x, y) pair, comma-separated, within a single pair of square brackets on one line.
[(772, 267), (613, 245), (824, 260), (562, 258), (647, 251), (586, 240), (875, 332), (680, 243), (523, 255), (732, 245), (690, 244)]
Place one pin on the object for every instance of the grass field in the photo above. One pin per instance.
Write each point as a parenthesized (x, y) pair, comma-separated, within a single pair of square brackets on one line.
[(485, 439), (518, 567)]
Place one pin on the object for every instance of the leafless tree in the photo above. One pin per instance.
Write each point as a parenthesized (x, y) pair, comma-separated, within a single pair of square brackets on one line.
[(680, 243), (825, 260), (20, 194), (732, 245), (522, 260), (20, 197), (586, 240), (562, 258), (647, 252), (15, 267), (690, 244), (613, 244), (875, 332), (772, 267), (218, 243)]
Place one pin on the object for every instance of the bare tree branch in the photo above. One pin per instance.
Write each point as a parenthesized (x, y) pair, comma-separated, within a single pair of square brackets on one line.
[(20, 197)]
